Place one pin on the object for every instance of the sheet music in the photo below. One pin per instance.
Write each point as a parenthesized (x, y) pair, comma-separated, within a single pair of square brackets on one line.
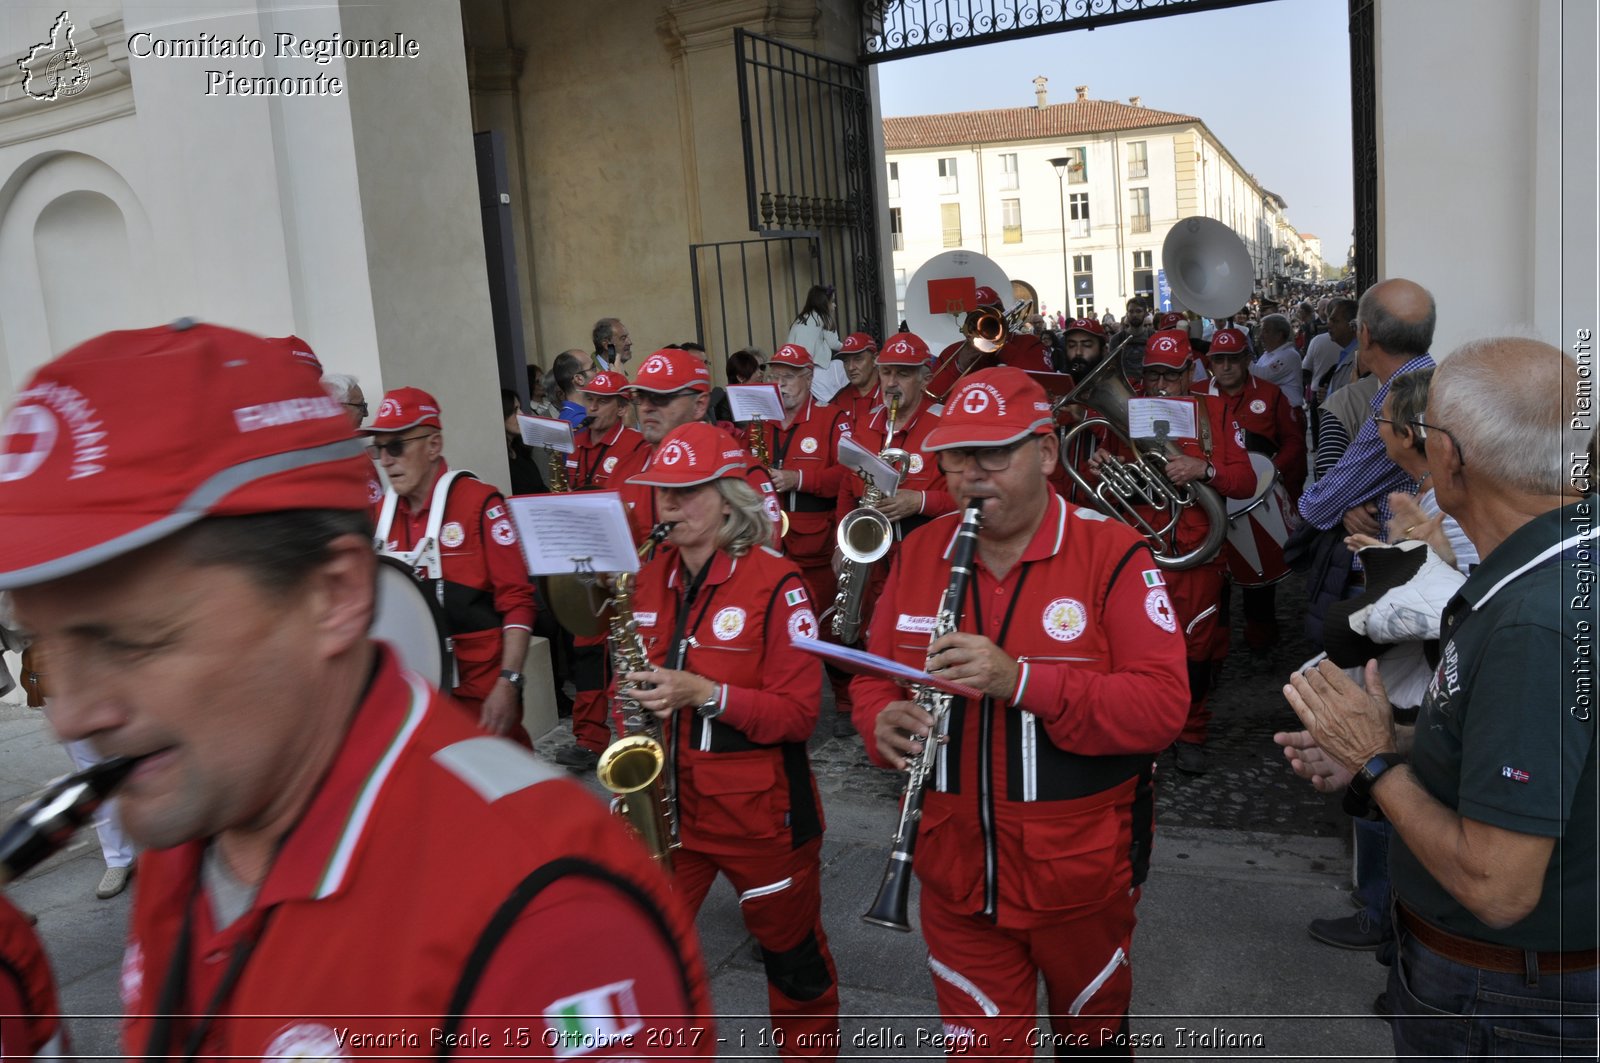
[(755, 402), (571, 532), (879, 472), (1155, 418), (860, 662), (547, 432)]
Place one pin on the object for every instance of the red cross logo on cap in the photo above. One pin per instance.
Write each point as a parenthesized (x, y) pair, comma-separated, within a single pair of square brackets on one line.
[(900, 347), (389, 408), (657, 364), (671, 454), (1166, 344), (976, 400), (30, 434)]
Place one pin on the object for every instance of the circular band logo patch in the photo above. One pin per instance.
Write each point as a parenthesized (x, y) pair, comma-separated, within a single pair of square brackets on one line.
[(29, 435), (305, 1041), (808, 445), (1158, 607), (609, 464), (1065, 619), (916, 463), (503, 532), (1258, 406), (452, 535), (728, 623)]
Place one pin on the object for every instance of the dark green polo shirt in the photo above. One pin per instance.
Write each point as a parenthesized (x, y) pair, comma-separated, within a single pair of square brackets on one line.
[(1506, 734)]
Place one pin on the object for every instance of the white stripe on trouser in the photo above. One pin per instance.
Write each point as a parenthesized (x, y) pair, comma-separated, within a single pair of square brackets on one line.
[(1030, 757), (763, 891), (1207, 611), (963, 983), (1118, 958)]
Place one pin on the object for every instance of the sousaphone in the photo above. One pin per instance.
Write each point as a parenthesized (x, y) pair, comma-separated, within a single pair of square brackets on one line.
[(1208, 267)]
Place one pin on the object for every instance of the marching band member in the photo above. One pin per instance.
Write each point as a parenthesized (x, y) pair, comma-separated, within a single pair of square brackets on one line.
[(717, 608), (455, 531), (1036, 833), (1024, 351), (1272, 426), (607, 442), (861, 395), (1216, 458)]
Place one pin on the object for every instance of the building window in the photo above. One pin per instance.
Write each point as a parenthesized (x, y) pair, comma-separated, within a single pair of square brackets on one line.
[(1011, 219), (1008, 172), (900, 286), (1138, 159), (1144, 275), (894, 180), (1078, 168), (1083, 285), (950, 216), (1078, 211), (897, 229), (1139, 208), (947, 176)]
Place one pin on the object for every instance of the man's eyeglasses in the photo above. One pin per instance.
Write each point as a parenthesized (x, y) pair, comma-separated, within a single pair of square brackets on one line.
[(360, 407), (1426, 428), (1165, 374), (395, 447), (655, 400), (989, 459)]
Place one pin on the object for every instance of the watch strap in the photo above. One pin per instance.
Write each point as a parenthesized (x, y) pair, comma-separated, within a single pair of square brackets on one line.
[(1358, 795)]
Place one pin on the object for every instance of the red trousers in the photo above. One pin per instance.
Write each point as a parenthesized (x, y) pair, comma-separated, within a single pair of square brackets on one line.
[(986, 979), (1196, 597), (780, 897)]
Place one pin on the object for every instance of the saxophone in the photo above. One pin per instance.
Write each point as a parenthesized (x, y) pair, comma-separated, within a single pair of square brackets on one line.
[(889, 907), (864, 537), (636, 768)]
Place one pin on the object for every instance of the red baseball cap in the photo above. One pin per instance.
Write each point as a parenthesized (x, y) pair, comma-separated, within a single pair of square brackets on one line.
[(300, 350), (694, 453), (405, 408), (857, 342), (1171, 319), (791, 354), (609, 382), (1085, 324), (1229, 341), (992, 408), (669, 370), (986, 296), (133, 436), (1168, 348), (905, 348)]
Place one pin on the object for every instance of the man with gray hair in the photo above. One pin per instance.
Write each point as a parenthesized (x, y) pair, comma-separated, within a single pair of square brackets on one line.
[(1493, 797), (346, 391), (613, 346), (1279, 362)]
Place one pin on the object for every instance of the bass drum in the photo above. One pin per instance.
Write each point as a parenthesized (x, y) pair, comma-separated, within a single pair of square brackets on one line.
[(1258, 528), (412, 624)]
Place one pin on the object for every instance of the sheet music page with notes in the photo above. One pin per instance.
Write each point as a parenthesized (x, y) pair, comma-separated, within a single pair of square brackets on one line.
[(855, 456), (755, 402), (547, 432), (1162, 418), (581, 532)]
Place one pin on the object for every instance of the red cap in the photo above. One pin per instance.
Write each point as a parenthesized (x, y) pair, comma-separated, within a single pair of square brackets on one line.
[(1229, 341), (669, 370), (405, 408), (1085, 324), (905, 348), (694, 453), (1169, 348), (1172, 319), (609, 382), (857, 342), (986, 296), (992, 408), (791, 354), (300, 350), (135, 435)]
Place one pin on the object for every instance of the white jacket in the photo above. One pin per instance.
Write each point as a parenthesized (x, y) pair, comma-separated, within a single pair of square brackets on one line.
[(827, 376)]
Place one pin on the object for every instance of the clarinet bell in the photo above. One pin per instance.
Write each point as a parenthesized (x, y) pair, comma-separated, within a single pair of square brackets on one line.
[(889, 908)]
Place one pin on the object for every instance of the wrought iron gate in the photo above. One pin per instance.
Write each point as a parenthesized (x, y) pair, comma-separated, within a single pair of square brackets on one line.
[(746, 291), (809, 163)]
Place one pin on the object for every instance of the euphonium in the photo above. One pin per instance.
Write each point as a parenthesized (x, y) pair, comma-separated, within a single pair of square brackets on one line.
[(636, 768), (889, 907), (864, 537), (1124, 486)]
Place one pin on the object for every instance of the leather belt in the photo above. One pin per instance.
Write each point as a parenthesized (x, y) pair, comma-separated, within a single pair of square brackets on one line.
[(1500, 958), (804, 502)]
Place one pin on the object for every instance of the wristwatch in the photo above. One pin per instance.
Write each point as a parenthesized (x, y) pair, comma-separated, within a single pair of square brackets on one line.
[(1358, 795), (1211, 473), (516, 679), (712, 707)]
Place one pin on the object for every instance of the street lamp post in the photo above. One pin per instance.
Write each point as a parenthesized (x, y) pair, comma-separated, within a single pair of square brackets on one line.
[(1062, 165)]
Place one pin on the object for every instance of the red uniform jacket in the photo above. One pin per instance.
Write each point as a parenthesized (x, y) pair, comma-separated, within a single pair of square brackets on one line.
[(31, 1026), (1261, 410), (744, 779), (595, 458), (1041, 802), (1023, 351), (923, 473), (436, 870), (486, 588), (857, 407), (810, 447)]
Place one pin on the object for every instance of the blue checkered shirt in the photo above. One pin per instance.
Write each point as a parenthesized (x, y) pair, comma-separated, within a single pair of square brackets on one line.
[(1364, 473)]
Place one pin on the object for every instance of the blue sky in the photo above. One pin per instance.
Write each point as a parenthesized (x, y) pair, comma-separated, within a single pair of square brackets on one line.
[(1272, 81)]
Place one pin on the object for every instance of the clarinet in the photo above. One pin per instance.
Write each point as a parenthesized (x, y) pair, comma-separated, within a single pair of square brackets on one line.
[(47, 823), (889, 907)]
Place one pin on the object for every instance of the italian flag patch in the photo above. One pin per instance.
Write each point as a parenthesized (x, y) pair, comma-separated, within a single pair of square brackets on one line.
[(794, 597), (1154, 578), (594, 1018)]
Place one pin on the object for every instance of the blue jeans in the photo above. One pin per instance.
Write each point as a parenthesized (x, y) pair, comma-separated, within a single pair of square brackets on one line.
[(1446, 1009), (1372, 868)]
